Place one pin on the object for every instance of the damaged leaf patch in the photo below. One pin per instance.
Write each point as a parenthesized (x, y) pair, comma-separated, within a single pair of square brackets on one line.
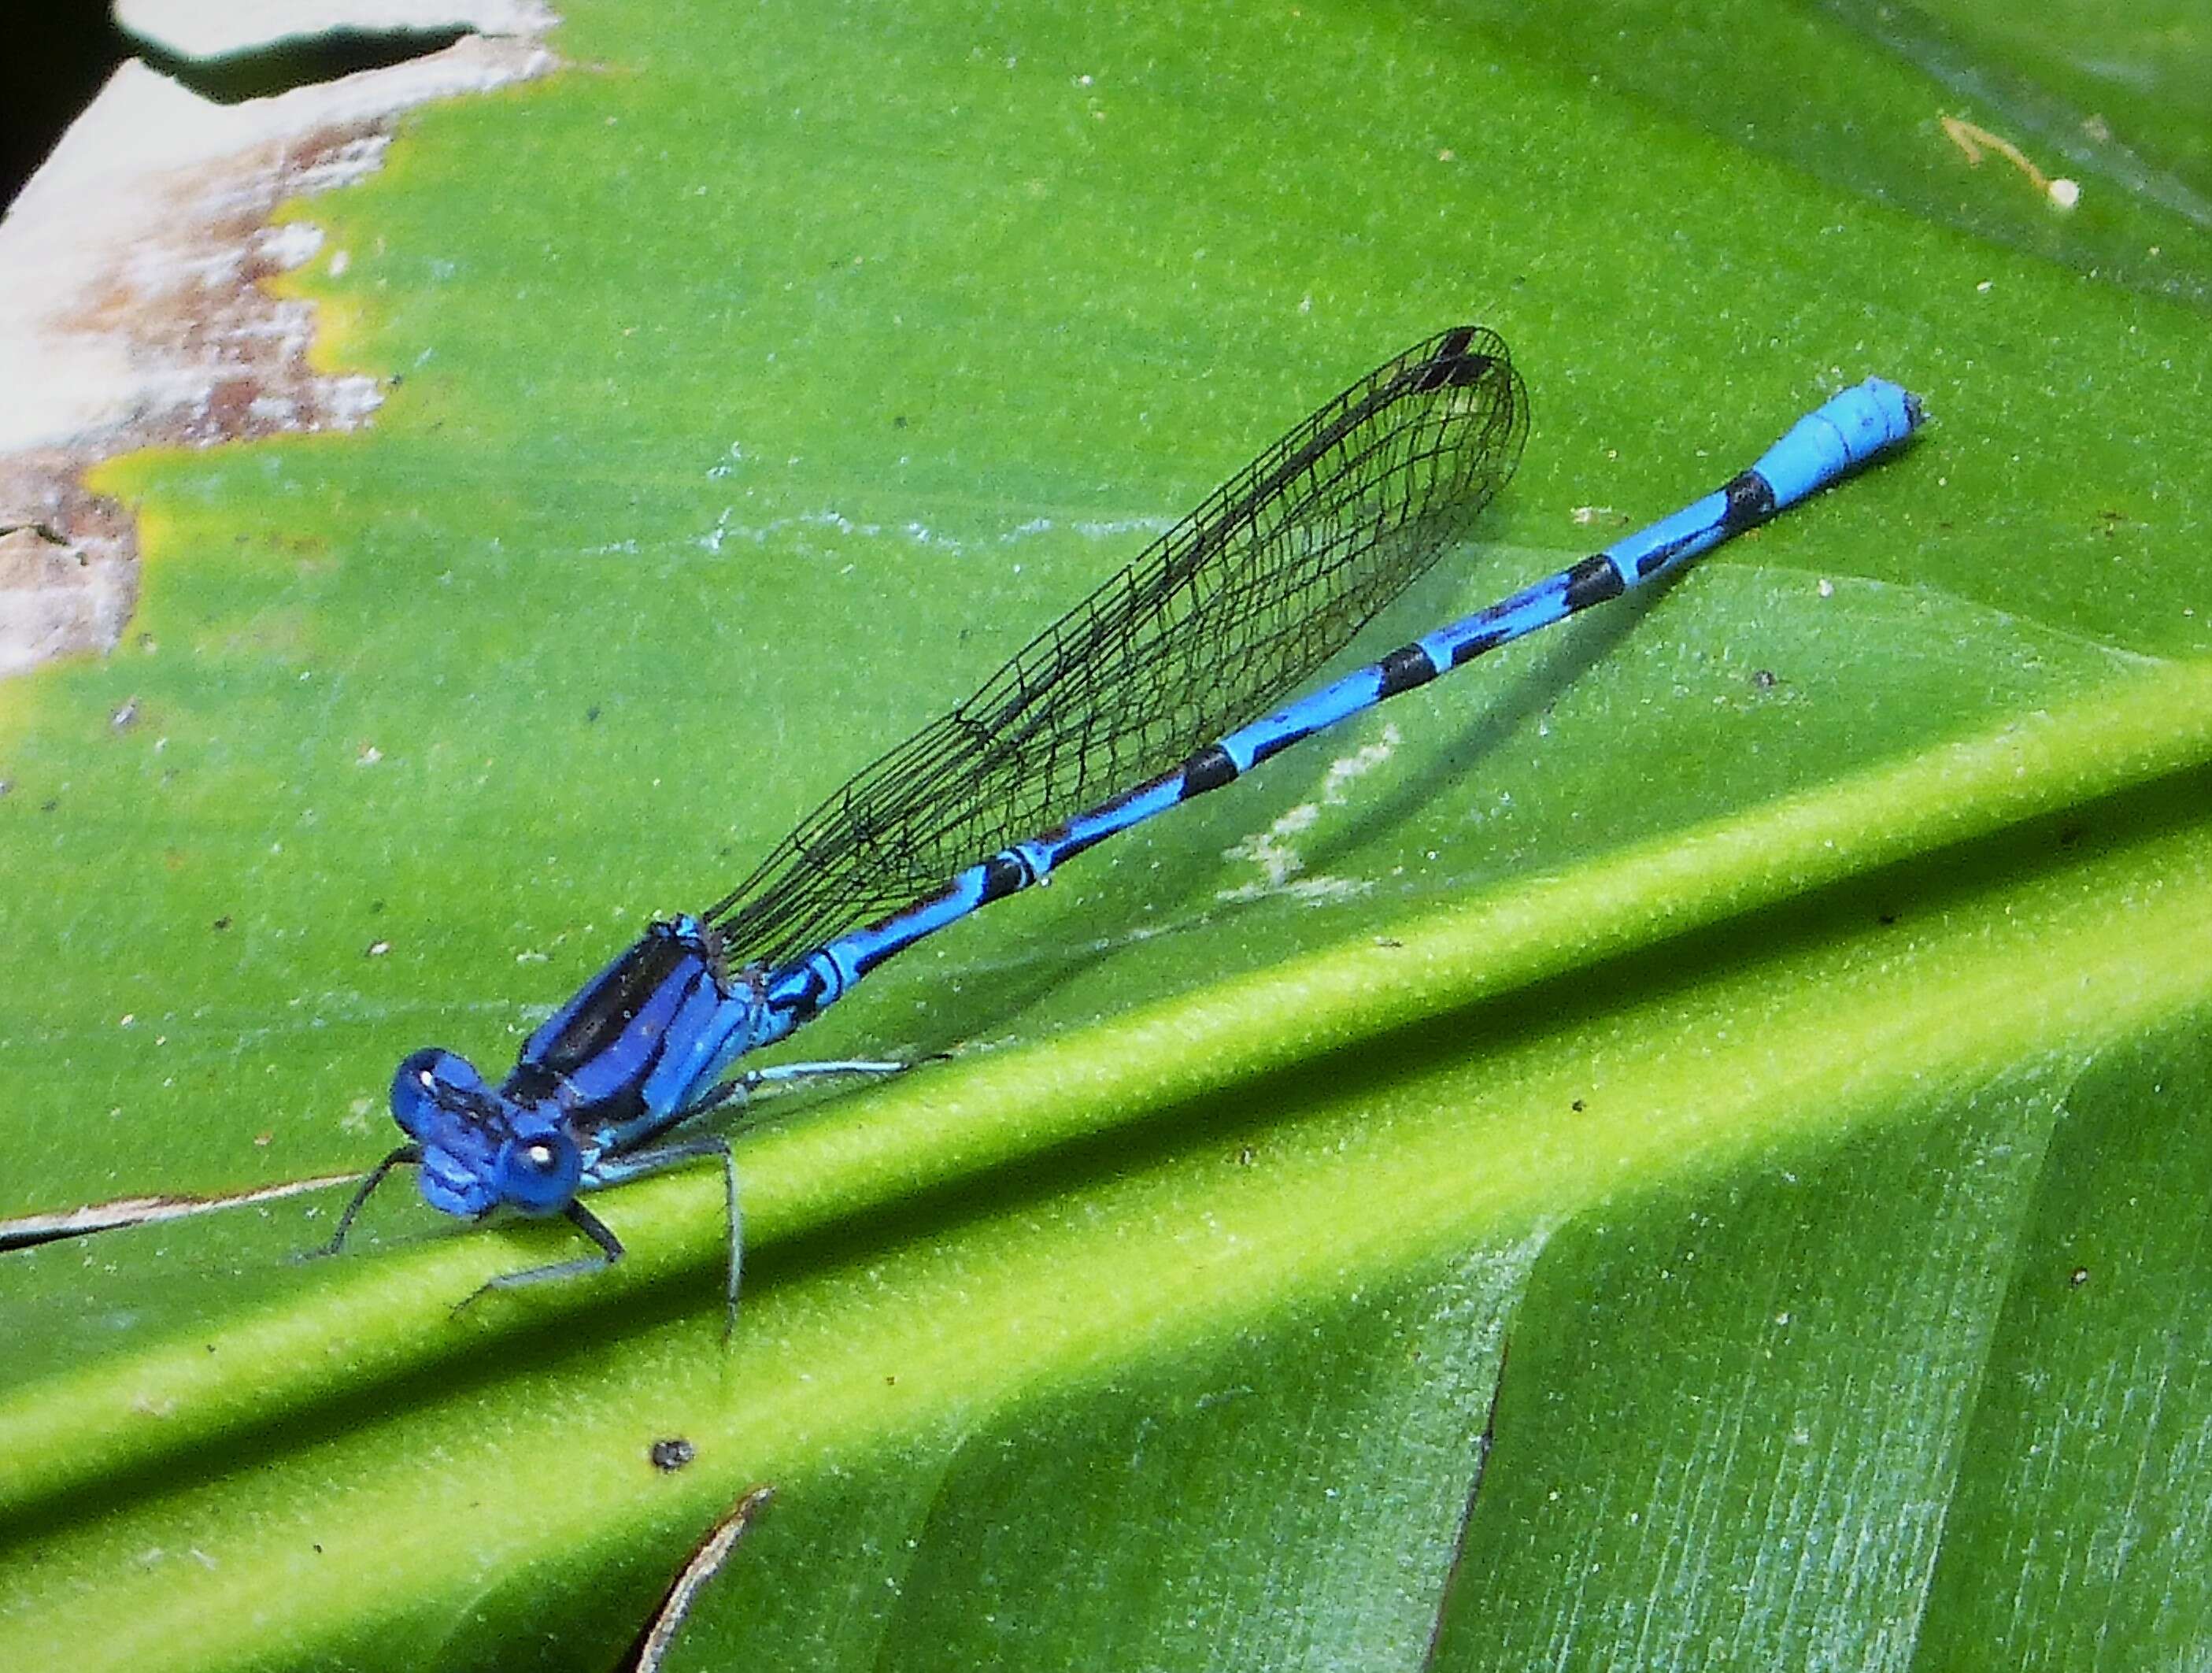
[(135, 311)]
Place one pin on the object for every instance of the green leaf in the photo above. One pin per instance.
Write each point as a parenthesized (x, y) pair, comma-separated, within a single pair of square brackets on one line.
[(1680, 1144)]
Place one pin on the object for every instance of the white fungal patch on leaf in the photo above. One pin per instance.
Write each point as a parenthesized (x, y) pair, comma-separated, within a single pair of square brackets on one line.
[(1274, 850)]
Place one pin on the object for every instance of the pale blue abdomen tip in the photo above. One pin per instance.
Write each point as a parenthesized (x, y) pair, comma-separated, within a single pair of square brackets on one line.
[(1844, 432), (1890, 413)]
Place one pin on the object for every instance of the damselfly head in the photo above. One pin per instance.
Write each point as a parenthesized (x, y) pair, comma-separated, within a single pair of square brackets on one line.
[(482, 1151)]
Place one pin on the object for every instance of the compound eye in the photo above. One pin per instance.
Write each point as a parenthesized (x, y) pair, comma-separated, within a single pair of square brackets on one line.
[(451, 1072), (539, 1175), (540, 1158), (432, 1089)]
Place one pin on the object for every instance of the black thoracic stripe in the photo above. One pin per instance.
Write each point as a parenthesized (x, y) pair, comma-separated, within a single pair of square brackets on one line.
[(531, 1083), (1592, 580), (1403, 669), (1209, 770), (1750, 502)]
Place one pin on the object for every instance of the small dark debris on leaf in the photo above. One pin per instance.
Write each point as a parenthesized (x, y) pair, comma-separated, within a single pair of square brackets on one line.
[(672, 1454)]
